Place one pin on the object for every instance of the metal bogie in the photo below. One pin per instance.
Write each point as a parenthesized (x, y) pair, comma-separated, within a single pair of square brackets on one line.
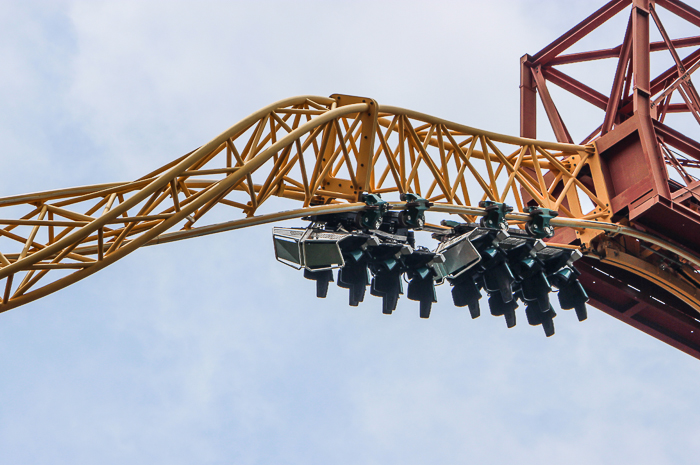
[(367, 219), (372, 217), (495, 214), (539, 225), (413, 215)]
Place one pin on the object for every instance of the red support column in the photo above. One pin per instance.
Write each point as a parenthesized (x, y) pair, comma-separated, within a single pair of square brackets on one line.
[(528, 100), (631, 148), (618, 82), (641, 96)]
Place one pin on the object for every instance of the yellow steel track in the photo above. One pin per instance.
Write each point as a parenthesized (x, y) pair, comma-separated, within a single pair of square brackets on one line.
[(323, 153)]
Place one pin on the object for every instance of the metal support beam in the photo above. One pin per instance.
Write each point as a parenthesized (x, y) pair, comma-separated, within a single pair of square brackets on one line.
[(618, 81), (528, 100), (576, 87), (560, 130), (579, 31)]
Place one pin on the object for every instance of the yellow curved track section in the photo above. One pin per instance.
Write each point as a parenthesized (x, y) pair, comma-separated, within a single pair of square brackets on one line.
[(322, 154)]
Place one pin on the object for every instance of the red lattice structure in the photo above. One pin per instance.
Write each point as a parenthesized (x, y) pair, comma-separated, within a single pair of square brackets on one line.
[(650, 169)]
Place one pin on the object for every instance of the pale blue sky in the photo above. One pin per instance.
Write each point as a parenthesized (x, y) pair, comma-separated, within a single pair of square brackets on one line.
[(209, 351)]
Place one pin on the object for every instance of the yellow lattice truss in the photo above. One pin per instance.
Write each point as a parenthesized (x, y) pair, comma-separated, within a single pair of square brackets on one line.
[(323, 153)]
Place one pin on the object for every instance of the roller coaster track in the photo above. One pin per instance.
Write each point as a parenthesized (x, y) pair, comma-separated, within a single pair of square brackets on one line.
[(322, 154)]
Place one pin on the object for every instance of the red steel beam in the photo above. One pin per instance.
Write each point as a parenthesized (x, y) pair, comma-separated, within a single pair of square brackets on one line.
[(658, 84), (645, 307), (679, 82), (677, 108), (618, 82), (579, 31), (577, 88), (681, 9), (641, 98), (560, 130), (667, 39), (615, 52), (661, 81), (677, 140), (640, 55), (528, 100), (690, 95)]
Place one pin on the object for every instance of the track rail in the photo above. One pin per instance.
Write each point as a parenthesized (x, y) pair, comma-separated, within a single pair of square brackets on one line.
[(321, 154)]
